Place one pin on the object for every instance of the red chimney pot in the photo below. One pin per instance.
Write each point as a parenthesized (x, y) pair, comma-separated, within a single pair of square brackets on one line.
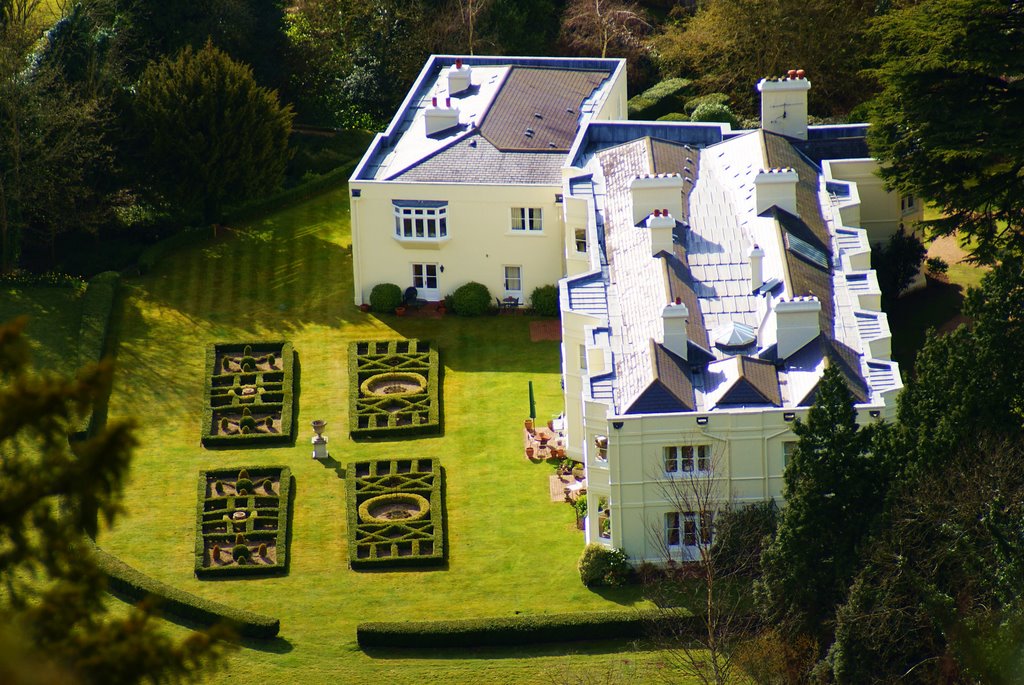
[(791, 73), (800, 73), (679, 300), (664, 212), (433, 101), (657, 212), (458, 63), (447, 102)]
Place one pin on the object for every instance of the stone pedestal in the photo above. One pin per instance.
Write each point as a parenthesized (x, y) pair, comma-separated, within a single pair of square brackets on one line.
[(320, 447)]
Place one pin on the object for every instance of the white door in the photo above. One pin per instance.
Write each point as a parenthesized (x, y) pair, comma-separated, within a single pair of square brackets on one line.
[(424, 279), (514, 282)]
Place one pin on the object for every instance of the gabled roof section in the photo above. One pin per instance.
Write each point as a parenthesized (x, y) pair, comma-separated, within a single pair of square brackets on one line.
[(757, 383), (834, 353), (539, 109), (681, 285), (473, 159), (671, 389)]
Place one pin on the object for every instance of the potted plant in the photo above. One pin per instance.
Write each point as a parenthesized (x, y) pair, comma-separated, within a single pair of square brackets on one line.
[(441, 308), (400, 310), (364, 307), (529, 452), (578, 472)]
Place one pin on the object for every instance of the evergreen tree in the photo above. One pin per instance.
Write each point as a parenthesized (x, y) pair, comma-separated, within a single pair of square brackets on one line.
[(211, 135), (834, 490), (946, 124), (52, 614)]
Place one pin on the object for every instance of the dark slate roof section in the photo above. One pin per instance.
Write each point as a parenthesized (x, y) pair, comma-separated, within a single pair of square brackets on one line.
[(834, 142), (473, 159), (672, 387), (763, 378), (806, 278), (838, 354), (681, 285), (675, 158), (601, 135), (545, 102)]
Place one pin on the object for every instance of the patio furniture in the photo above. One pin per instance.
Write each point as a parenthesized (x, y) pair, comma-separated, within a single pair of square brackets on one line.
[(509, 304)]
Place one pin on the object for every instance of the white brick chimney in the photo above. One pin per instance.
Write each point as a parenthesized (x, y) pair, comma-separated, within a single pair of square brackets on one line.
[(459, 78), (440, 117), (756, 255), (661, 224), (784, 104), (776, 187), (656, 192), (796, 324), (673, 327)]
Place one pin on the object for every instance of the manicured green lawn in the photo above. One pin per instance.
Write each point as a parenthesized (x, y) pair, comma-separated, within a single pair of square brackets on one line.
[(510, 548), (53, 318)]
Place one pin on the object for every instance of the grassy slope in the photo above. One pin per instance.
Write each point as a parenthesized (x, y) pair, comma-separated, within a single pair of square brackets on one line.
[(510, 548), (53, 318)]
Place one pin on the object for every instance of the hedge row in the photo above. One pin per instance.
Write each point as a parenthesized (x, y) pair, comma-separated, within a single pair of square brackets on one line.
[(368, 358), (287, 354), (660, 99), (50, 279), (283, 474), (424, 536), (526, 629), (94, 339), (135, 586)]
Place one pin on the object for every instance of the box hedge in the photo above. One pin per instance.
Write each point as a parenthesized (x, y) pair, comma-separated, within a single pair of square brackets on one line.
[(525, 629), (274, 507), (422, 538), (275, 394), (660, 99), (135, 586), (393, 416)]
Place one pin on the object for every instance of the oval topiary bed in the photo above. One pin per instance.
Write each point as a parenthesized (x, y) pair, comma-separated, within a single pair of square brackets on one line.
[(396, 383), (395, 507)]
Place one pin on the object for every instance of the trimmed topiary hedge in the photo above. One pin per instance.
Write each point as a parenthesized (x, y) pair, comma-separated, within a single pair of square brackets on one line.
[(471, 299), (525, 629), (544, 300), (660, 99), (225, 546), (249, 391), (414, 541), (715, 112), (393, 414), (135, 586), (385, 298)]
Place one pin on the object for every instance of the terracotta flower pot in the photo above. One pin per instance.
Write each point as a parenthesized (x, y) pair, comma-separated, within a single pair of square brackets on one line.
[(529, 452), (364, 307), (528, 425), (399, 311)]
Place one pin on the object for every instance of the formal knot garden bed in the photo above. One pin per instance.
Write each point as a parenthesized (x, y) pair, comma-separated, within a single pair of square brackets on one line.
[(249, 388), (395, 513), (242, 521), (394, 389)]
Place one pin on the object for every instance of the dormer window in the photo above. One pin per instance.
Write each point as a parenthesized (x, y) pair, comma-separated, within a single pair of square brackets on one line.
[(420, 220)]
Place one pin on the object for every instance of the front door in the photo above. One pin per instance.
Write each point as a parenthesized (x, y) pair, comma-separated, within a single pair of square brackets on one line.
[(424, 279)]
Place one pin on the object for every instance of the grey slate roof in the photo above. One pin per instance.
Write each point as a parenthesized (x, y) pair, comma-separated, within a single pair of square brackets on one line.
[(671, 390), (473, 159), (539, 109)]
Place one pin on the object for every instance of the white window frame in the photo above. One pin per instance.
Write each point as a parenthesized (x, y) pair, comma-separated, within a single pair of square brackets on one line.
[(580, 237), (421, 224), (527, 219), (422, 289), (689, 529), (787, 452), (689, 459), (583, 357), (506, 280)]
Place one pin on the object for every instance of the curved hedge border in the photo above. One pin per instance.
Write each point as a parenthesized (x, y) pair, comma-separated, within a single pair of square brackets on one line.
[(367, 418), (522, 629), (94, 339), (135, 585), (366, 517)]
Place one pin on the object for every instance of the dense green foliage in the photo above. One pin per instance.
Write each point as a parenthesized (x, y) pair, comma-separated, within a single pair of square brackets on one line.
[(898, 262), (944, 124), (214, 136), (417, 540), (250, 390), (661, 99), (388, 414), (49, 494), (501, 631), (385, 298), (471, 299), (709, 111), (834, 490), (740, 536), (544, 300), (267, 520), (600, 565)]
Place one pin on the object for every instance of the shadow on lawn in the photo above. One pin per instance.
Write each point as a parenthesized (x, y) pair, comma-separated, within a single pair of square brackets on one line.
[(568, 648), (938, 305)]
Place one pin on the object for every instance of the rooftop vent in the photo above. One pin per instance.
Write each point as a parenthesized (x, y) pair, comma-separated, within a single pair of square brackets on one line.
[(734, 334)]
